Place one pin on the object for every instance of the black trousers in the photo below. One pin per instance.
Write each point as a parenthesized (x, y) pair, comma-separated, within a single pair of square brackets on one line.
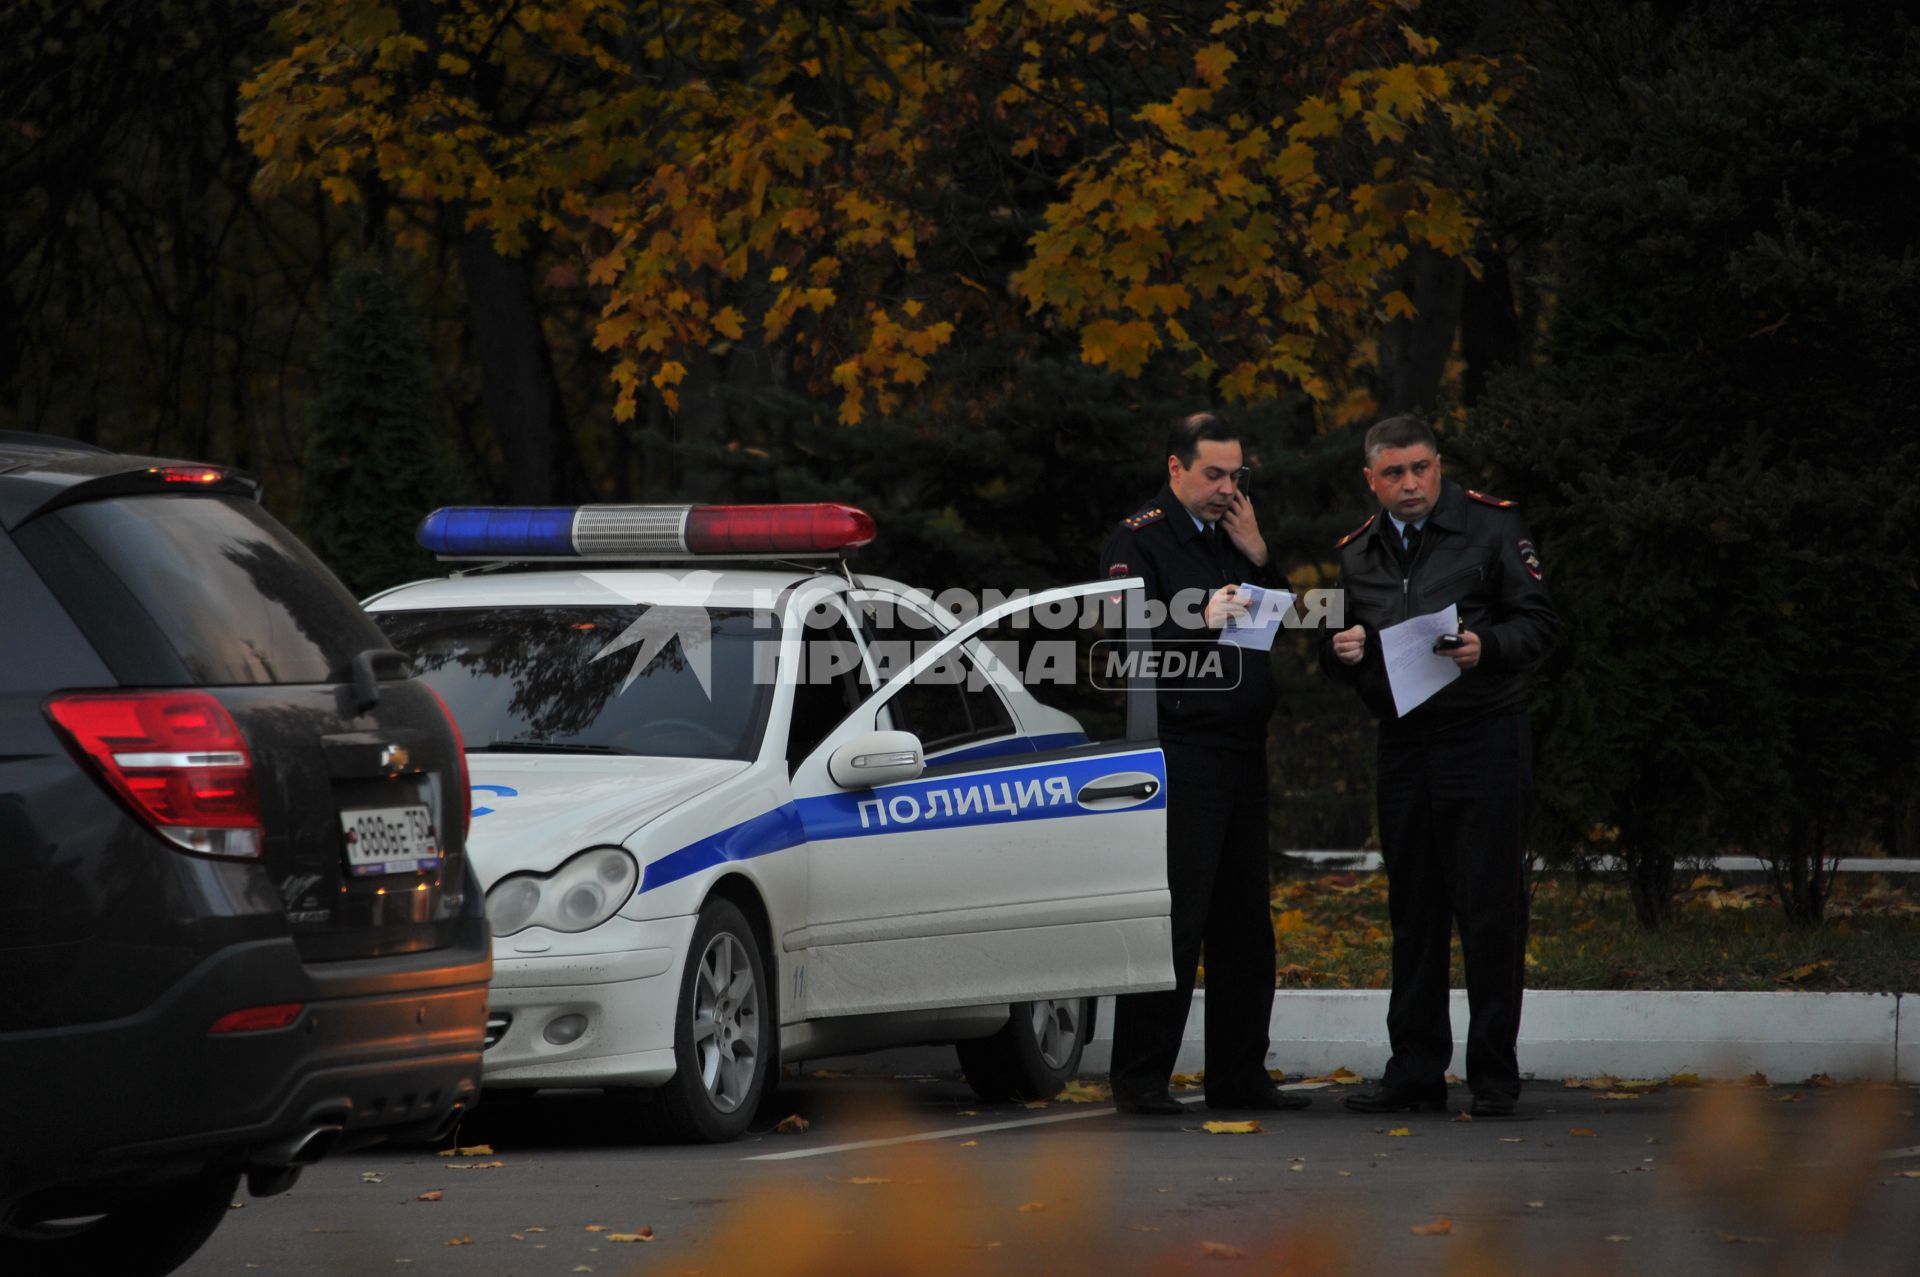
[(1217, 876), (1453, 821)]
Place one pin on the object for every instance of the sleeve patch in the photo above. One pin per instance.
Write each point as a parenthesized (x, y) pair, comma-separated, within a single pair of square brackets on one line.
[(1531, 558), (1497, 502)]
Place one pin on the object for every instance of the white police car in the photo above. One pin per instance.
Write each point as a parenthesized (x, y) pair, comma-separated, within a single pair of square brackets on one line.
[(728, 815)]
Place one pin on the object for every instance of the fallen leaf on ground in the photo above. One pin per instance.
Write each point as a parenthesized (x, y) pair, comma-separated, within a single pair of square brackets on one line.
[(1440, 1227), (1808, 971), (792, 1124), (1231, 1128), (474, 1166), (1738, 1240), (1513, 1139), (1346, 1174), (969, 1112), (371, 1177), (535, 1228), (1638, 1083), (1185, 1081), (1536, 1205), (871, 1179), (1463, 1116), (1453, 1079), (969, 1143), (1078, 1092), (1820, 1080), (431, 1195), (1583, 1132), (1028, 1208), (1220, 1250), (582, 1268), (1616, 1237), (462, 1240), (1401, 1131), (644, 1233), (1619, 1095), (1036, 1104), (1756, 1078), (1792, 1097), (236, 1205), (1683, 1079), (596, 1228), (476, 1150)]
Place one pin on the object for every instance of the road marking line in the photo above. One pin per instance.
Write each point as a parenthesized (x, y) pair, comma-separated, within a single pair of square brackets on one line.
[(1012, 1124)]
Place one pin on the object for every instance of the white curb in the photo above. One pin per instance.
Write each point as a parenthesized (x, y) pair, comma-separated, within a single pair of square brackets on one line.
[(1578, 1033)]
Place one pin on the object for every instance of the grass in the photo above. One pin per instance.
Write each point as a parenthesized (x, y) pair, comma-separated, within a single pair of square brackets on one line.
[(1332, 933)]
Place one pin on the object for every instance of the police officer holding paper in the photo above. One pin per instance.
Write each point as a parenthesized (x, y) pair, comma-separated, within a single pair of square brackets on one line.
[(1196, 544), (1455, 781)]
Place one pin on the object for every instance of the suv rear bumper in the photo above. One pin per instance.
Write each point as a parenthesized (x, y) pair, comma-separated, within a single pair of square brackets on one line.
[(383, 1047)]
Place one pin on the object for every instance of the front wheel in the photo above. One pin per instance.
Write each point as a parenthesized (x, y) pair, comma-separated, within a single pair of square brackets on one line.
[(1033, 1055), (723, 1034), (144, 1236)]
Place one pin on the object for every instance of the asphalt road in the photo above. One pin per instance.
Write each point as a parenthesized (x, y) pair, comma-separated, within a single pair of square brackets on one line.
[(909, 1174)]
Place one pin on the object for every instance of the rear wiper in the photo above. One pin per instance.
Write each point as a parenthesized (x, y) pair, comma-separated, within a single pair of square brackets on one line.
[(541, 747)]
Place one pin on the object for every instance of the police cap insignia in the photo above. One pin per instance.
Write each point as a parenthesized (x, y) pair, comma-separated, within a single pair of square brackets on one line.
[(1498, 502), (1530, 557), (1357, 531)]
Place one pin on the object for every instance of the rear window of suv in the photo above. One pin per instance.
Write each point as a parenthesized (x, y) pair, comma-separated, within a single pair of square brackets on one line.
[(235, 597)]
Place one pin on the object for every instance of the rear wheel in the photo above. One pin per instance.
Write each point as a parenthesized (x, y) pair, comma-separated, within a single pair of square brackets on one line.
[(1033, 1055), (144, 1236), (723, 1033)]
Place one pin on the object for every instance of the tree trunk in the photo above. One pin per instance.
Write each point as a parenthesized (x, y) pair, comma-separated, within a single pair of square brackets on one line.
[(1413, 352), (521, 395)]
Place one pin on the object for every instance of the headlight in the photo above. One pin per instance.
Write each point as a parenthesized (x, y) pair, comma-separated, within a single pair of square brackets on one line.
[(583, 893)]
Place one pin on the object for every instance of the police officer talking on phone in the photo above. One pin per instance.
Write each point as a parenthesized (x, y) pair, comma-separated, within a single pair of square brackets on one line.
[(1455, 775), (1196, 544)]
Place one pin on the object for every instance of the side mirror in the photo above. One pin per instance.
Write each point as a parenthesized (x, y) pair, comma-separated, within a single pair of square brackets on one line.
[(876, 758)]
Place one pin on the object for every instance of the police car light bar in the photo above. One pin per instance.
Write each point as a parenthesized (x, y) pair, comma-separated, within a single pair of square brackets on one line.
[(644, 531)]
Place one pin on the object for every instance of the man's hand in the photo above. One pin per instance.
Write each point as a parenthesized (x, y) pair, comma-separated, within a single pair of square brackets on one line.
[(1243, 529), (1225, 603), (1466, 656), (1350, 645)]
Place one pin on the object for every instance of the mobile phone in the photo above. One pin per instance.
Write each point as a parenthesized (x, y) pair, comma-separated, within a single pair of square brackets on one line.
[(1447, 642)]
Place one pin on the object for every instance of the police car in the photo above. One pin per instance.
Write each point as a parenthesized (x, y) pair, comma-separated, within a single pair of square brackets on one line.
[(732, 809)]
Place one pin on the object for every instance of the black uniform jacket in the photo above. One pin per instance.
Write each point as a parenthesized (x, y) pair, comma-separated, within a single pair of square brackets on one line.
[(1476, 553), (1160, 543)]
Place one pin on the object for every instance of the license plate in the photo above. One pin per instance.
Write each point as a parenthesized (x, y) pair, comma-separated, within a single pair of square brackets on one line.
[(388, 840)]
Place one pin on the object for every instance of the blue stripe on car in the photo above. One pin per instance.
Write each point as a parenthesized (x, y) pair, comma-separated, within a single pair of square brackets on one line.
[(842, 815)]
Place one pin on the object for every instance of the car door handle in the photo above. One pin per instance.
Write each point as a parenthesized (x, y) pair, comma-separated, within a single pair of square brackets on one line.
[(1097, 791)]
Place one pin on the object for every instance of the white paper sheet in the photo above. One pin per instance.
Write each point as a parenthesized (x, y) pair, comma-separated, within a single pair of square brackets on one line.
[(1266, 610), (1414, 670)]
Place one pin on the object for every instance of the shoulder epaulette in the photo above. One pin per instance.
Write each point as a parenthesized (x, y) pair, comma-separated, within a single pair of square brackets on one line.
[(1357, 531), (1141, 520), (1497, 502)]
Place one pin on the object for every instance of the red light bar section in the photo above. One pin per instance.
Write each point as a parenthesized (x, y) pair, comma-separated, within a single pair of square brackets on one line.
[(777, 529), (258, 1019)]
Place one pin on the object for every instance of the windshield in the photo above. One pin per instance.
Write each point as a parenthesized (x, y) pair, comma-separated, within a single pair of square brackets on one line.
[(673, 682)]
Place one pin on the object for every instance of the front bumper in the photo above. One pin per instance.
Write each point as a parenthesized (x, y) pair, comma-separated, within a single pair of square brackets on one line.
[(622, 979)]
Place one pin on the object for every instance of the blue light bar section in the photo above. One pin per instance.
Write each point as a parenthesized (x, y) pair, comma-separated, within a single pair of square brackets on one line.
[(505, 532)]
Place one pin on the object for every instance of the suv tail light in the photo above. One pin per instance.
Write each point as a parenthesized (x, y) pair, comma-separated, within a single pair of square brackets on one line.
[(465, 793), (177, 759)]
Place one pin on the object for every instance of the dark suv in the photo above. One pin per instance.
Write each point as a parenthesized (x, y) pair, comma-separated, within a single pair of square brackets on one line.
[(237, 923)]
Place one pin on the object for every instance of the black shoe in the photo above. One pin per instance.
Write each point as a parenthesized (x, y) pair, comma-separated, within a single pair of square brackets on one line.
[(1152, 1104), (1271, 1099), (1493, 1105), (1391, 1099)]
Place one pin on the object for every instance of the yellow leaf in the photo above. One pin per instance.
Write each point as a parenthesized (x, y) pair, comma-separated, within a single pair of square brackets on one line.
[(1684, 1079), (462, 1240), (431, 1195), (1078, 1092), (969, 1143), (1583, 1132), (1213, 61), (1220, 1250), (1231, 1128), (1401, 1131), (792, 1124), (596, 1228), (642, 1234), (1399, 306), (870, 1179), (729, 323), (472, 1150), (1440, 1227)]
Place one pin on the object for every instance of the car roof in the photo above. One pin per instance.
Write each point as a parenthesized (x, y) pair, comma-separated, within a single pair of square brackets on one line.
[(684, 583), (38, 472)]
